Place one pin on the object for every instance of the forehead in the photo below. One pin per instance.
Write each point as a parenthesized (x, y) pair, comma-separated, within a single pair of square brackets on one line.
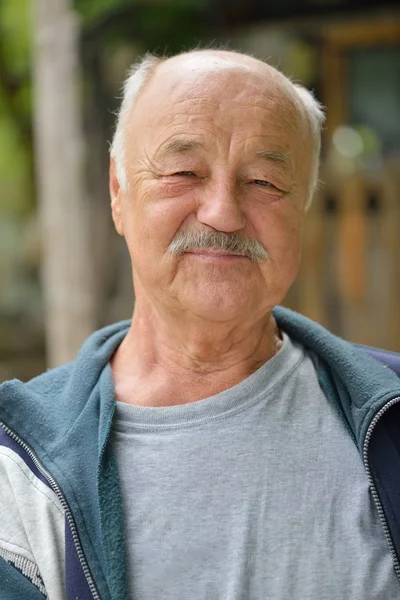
[(217, 100)]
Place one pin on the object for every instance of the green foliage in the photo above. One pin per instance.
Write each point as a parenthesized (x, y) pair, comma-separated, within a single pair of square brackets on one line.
[(169, 28), (15, 28), (93, 9), (16, 186), (16, 194)]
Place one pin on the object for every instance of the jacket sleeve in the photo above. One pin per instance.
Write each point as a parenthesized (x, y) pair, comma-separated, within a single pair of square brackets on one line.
[(32, 526), (15, 586)]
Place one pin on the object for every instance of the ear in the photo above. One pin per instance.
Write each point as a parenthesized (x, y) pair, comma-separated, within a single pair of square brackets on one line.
[(116, 198)]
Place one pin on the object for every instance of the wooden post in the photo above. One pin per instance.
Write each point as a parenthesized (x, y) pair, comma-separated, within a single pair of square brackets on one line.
[(389, 223), (60, 166)]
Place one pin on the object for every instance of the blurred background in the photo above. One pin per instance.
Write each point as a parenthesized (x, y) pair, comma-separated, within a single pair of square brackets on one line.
[(63, 270)]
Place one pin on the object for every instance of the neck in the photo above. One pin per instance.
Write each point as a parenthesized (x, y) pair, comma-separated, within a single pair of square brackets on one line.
[(184, 359)]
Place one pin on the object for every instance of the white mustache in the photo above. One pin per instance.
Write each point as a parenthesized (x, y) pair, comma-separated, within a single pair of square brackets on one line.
[(233, 243)]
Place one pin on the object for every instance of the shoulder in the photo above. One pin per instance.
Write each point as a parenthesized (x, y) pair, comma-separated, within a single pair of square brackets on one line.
[(84, 371), (42, 386), (385, 357)]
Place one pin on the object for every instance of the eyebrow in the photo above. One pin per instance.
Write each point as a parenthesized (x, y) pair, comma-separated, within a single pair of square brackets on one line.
[(274, 156), (178, 146)]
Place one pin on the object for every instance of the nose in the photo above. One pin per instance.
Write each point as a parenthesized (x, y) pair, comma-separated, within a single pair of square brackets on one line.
[(220, 206)]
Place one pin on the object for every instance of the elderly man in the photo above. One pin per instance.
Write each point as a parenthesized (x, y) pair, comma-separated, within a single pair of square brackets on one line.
[(215, 447)]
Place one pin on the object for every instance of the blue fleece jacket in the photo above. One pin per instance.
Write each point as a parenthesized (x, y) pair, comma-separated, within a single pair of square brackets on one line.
[(59, 423)]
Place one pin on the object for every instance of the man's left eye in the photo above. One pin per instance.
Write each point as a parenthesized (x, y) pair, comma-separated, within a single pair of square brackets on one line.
[(263, 183)]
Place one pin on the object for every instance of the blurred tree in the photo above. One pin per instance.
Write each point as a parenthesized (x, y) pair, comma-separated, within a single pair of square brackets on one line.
[(60, 150)]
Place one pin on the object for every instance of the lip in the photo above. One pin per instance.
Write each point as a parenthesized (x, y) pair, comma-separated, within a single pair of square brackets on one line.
[(215, 255)]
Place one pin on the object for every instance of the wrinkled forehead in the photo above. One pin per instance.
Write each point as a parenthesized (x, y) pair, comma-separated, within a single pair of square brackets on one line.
[(240, 95)]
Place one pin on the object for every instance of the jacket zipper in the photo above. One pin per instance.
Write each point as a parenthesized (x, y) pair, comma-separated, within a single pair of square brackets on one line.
[(56, 489), (372, 483)]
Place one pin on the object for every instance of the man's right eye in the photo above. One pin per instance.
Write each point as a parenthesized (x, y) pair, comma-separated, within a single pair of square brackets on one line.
[(184, 173)]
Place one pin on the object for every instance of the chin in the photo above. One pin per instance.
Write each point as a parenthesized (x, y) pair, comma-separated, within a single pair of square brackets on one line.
[(220, 309), (219, 316)]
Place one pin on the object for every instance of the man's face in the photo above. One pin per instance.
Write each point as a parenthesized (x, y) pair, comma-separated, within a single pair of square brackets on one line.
[(213, 151)]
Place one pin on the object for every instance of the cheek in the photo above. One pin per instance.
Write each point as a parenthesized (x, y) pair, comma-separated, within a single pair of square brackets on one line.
[(281, 232), (151, 221)]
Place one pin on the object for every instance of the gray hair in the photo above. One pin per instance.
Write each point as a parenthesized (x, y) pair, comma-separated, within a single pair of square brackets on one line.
[(140, 74), (316, 118)]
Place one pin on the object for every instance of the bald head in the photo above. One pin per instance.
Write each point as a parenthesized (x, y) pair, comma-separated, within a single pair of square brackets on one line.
[(193, 65), (210, 76)]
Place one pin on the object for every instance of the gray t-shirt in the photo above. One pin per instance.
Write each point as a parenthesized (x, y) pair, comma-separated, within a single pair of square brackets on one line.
[(257, 493)]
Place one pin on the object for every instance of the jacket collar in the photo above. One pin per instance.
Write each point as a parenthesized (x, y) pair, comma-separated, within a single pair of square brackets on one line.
[(358, 384), (53, 410)]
